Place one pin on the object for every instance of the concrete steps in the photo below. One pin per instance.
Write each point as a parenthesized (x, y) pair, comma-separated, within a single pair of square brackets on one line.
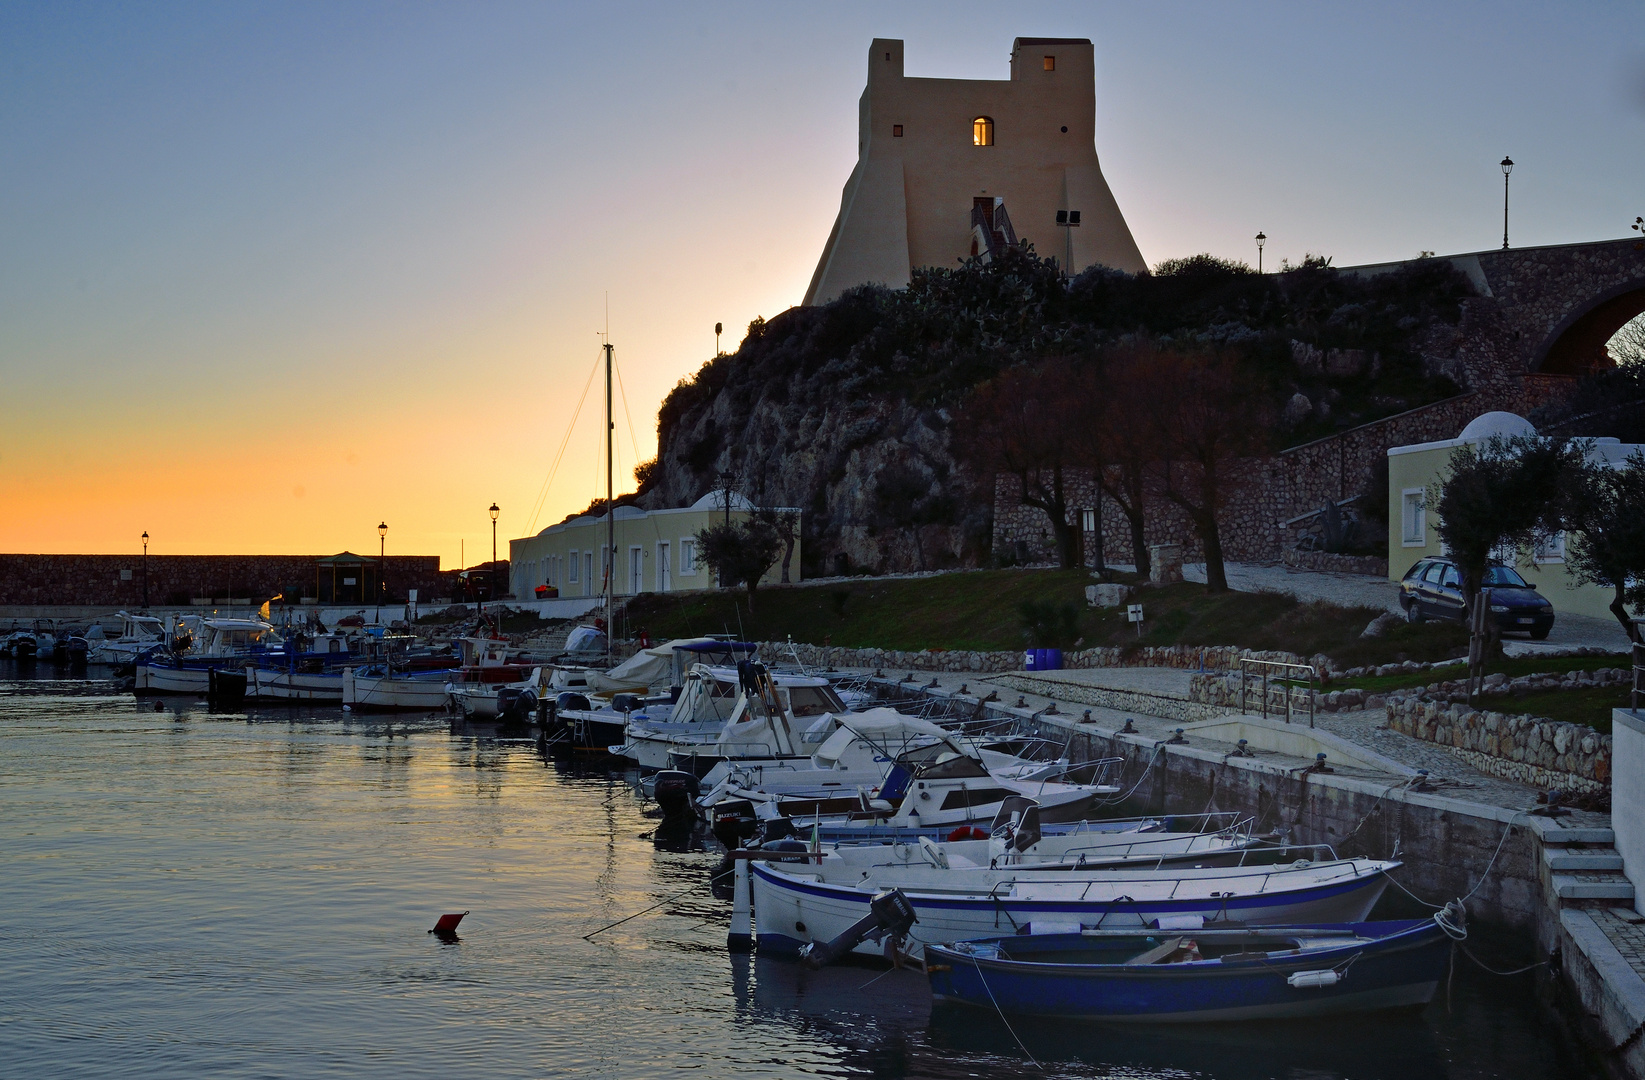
[(1583, 867)]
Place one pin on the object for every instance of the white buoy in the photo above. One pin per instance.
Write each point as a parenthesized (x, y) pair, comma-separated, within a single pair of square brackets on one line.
[(740, 937)]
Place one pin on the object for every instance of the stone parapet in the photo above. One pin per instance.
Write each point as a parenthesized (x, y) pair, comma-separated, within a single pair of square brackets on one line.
[(1210, 657), (1369, 565), (1527, 749)]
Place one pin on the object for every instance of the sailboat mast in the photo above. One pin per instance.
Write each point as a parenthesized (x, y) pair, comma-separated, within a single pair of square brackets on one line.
[(610, 514)]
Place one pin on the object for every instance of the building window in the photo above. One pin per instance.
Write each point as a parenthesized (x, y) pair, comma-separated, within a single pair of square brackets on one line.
[(688, 556), (1550, 549), (1050, 63), (1414, 518), (896, 131), (982, 131), (573, 568)]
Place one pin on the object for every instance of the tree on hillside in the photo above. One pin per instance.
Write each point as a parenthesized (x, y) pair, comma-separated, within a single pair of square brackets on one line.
[(905, 497), (1605, 545), (740, 552), (787, 525), (1206, 416), (1020, 423), (1114, 433)]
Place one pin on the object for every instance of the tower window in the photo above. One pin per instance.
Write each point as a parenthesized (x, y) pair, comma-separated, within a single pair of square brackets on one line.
[(1050, 63), (982, 131), (896, 131)]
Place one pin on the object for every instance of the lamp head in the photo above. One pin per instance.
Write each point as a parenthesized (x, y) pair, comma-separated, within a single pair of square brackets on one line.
[(1507, 165), (145, 538), (1261, 239), (494, 511), (382, 530)]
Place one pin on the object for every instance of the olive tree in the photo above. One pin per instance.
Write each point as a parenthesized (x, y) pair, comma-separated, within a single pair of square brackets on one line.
[(1604, 515), (740, 552)]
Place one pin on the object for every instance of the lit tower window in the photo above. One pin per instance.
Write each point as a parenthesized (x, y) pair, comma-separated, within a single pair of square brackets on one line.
[(982, 131)]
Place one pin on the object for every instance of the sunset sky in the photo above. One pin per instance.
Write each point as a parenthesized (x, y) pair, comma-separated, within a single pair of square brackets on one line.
[(271, 273)]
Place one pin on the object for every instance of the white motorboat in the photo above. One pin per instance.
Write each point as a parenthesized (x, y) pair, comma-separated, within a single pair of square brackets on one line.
[(225, 643), (819, 898), (702, 723), (138, 633)]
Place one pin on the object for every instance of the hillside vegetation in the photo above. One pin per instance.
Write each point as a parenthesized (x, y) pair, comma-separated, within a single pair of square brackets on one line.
[(817, 403)]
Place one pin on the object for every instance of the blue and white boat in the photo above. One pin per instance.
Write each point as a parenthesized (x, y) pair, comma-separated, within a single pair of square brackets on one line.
[(820, 898), (1196, 976)]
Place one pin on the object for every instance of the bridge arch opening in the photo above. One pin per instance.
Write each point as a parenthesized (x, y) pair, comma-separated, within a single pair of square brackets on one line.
[(1580, 344)]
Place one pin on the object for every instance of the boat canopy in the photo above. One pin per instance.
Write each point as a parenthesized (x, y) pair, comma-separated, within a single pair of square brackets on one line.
[(883, 727)]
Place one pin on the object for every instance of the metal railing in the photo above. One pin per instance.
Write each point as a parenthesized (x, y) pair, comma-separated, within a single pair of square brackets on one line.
[(1637, 691), (1249, 669)]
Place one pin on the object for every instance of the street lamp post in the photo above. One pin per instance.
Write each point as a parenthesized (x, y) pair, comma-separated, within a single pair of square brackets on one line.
[(1507, 167), (1261, 240), (494, 512), (145, 569), (717, 328), (382, 568)]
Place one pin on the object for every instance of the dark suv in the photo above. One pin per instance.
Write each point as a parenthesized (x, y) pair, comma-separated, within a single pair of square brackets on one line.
[(1432, 589)]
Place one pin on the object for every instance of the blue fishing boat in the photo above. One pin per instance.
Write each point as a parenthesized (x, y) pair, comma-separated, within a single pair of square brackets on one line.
[(1203, 975)]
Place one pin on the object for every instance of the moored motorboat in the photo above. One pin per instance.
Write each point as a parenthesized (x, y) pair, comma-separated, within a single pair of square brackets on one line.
[(798, 903), (1198, 975)]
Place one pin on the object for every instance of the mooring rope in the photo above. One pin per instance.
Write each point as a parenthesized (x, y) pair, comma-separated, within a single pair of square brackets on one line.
[(1003, 1020)]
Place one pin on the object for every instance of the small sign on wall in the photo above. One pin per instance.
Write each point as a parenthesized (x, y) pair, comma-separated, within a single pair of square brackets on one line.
[(125, 575), (1133, 613)]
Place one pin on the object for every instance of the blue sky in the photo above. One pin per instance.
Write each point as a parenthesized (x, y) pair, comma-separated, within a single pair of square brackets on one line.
[(272, 272)]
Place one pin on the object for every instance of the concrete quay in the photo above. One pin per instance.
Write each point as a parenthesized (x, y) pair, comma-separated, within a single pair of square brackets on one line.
[(1555, 883)]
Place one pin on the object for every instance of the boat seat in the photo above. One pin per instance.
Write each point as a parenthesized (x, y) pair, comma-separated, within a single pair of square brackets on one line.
[(1156, 954)]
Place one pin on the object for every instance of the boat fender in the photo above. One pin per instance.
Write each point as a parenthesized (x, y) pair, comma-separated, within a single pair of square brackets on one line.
[(1053, 926), (1309, 980), (1179, 922)]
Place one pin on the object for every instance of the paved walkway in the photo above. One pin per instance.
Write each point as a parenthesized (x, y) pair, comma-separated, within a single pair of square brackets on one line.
[(1448, 774)]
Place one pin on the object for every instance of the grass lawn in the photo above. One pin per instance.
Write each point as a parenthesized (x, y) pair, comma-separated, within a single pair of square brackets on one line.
[(979, 610), (1591, 706)]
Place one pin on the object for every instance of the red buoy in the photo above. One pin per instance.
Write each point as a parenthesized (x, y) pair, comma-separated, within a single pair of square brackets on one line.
[(448, 923)]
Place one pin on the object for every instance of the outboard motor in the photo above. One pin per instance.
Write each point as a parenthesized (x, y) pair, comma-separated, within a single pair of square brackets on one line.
[(734, 822), (674, 793), (890, 915)]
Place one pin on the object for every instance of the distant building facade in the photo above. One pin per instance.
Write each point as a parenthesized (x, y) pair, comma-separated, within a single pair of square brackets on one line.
[(656, 551), (1413, 533), (946, 168)]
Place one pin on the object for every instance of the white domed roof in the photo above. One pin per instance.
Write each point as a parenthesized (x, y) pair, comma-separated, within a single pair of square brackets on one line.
[(715, 500), (1505, 424)]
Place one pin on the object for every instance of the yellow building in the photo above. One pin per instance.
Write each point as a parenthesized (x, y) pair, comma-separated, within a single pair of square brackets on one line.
[(1412, 535), (656, 551), (935, 156)]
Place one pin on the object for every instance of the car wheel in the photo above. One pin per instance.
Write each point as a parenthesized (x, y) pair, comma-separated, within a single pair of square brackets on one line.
[(1540, 633), (1413, 614)]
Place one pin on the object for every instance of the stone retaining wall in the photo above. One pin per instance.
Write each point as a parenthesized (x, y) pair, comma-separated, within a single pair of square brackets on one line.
[(1137, 701), (1528, 749), (1166, 656), (1369, 565)]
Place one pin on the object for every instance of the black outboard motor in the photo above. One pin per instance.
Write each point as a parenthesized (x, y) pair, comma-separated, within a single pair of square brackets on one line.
[(889, 915), (734, 822), (674, 793), (515, 706)]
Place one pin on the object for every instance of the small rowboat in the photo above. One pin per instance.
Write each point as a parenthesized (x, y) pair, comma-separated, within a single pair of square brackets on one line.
[(1193, 976)]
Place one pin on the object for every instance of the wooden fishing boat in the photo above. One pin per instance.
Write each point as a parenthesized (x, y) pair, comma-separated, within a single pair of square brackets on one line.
[(1196, 976)]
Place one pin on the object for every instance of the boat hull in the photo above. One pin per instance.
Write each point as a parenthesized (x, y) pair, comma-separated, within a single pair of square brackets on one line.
[(1399, 967), (394, 694), (794, 909), (293, 685)]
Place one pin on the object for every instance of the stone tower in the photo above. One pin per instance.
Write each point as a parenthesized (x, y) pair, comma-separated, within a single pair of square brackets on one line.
[(936, 155)]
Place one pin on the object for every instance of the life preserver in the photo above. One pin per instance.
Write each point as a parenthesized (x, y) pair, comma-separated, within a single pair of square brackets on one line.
[(968, 832)]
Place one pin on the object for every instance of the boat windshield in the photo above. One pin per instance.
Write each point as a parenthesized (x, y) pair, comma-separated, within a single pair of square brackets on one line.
[(948, 765), (814, 700), (1504, 577)]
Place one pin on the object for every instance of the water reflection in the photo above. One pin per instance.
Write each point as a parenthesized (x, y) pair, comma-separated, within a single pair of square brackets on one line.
[(191, 893)]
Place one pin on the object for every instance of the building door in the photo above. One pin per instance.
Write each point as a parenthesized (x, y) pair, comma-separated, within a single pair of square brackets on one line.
[(636, 569), (665, 572), (588, 573)]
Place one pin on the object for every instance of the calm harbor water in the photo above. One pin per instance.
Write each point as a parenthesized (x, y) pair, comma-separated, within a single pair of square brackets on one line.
[(186, 894)]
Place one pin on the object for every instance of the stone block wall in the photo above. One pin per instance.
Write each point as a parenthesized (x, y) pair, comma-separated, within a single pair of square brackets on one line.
[(117, 580), (1527, 749), (1369, 565), (1215, 657)]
